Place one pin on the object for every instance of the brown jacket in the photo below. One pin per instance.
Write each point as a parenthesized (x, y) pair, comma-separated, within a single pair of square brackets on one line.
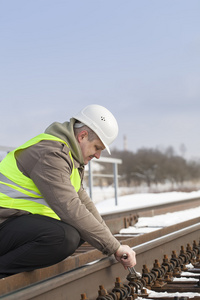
[(49, 165)]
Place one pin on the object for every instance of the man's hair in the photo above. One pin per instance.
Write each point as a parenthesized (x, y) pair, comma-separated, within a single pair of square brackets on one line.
[(78, 127)]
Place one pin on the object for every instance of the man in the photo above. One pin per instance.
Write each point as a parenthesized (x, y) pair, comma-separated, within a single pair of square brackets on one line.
[(45, 213)]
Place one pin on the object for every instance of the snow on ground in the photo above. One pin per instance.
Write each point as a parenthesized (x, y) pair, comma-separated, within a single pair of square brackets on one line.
[(153, 295), (142, 200), (146, 224)]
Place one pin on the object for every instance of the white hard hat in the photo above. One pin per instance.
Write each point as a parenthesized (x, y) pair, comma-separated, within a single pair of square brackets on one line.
[(101, 121)]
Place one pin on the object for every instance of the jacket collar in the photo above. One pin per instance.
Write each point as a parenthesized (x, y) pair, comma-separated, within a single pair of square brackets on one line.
[(65, 131)]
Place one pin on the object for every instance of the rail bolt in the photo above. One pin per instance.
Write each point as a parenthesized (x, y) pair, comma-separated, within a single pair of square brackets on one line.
[(177, 263), (102, 291), (191, 253), (84, 297), (169, 267), (184, 258)]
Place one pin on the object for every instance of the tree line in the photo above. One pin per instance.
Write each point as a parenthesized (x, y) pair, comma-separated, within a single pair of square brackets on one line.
[(153, 166)]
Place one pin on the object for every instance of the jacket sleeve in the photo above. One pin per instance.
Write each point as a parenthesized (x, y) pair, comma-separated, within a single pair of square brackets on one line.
[(86, 200), (48, 164)]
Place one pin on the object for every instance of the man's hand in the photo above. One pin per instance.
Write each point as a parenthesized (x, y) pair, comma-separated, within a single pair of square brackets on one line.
[(130, 260)]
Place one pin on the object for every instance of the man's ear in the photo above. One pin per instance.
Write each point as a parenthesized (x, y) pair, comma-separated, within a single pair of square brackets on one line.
[(83, 134)]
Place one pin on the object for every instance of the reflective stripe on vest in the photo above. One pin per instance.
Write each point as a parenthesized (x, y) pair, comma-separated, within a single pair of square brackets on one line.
[(19, 192)]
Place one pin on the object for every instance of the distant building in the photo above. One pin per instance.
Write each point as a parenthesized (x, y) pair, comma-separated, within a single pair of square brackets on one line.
[(125, 143)]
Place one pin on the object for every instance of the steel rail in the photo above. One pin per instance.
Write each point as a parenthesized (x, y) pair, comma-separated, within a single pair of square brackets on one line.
[(25, 279), (86, 279), (87, 254)]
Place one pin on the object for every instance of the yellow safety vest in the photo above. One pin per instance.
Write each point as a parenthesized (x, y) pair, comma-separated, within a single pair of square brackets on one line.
[(17, 191)]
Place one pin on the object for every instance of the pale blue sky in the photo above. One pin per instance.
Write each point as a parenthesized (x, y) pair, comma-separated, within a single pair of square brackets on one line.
[(140, 59)]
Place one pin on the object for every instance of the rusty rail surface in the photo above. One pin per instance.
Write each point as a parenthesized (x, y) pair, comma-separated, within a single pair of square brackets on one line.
[(83, 272)]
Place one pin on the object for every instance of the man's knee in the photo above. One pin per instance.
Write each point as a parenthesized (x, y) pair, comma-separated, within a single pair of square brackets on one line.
[(66, 241), (71, 241), (59, 239)]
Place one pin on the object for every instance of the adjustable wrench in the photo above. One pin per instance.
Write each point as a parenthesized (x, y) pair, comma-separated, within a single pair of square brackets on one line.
[(131, 269)]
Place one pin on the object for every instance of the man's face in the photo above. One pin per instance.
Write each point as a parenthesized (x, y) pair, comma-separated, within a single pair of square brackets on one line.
[(90, 149)]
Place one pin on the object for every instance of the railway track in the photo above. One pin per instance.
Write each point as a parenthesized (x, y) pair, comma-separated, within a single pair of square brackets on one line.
[(89, 275)]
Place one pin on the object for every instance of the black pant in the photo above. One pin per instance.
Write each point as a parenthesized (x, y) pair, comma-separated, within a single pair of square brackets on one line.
[(32, 241)]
